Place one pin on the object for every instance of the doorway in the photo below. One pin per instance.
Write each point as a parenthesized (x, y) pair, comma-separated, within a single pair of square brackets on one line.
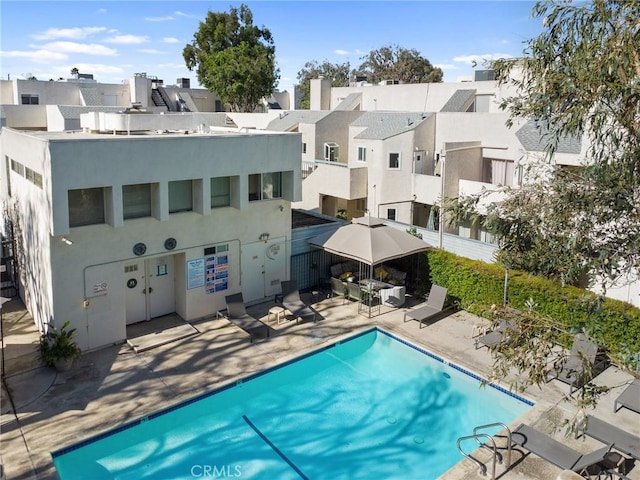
[(150, 287), (264, 266)]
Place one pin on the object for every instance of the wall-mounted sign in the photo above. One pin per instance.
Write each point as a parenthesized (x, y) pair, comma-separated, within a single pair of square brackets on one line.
[(217, 277), (100, 288), (162, 269), (195, 273)]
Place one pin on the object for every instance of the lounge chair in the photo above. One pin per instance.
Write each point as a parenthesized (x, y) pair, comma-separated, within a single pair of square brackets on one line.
[(496, 336), (629, 398), (338, 289), (556, 452), (604, 432), (576, 369), (291, 301), (434, 306), (237, 314)]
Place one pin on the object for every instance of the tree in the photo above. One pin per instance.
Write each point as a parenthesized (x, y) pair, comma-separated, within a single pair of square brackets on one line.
[(397, 63), (580, 77), (337, 72), (75, 72), (234, 58)]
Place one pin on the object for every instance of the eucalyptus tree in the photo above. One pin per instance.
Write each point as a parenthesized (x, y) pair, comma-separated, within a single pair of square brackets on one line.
[(234, 58), (391, 62), (579, 78), (337, 72)]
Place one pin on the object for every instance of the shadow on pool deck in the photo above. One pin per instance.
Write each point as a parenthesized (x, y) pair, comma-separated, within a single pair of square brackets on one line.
[(113, 385)]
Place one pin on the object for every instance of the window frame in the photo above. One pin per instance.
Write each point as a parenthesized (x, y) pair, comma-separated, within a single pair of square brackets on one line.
[(398, 159), (141, 214), (331, 152), (259, 195), (188, 207), (213, 192), (84, 219), (362, 154)]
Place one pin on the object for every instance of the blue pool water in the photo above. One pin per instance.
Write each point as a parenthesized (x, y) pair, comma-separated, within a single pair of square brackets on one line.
[(368, 407)]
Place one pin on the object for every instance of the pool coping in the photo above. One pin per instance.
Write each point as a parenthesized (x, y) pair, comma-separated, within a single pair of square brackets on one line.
[(145, 418)]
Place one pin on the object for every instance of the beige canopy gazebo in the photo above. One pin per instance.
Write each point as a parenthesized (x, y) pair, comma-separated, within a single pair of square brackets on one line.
[(369, 241)]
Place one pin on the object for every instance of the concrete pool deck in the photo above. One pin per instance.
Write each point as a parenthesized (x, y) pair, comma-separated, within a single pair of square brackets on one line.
[(46, 411)]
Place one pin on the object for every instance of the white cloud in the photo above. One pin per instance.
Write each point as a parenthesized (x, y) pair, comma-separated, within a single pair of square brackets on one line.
[(447, 66), (151, 51), (75, 47), (102, 10), (170, 40), (98, 68), (127, 39), (75, 33), (168, 18), (480, 58), (182, 14), (341, 52), (40, 56)]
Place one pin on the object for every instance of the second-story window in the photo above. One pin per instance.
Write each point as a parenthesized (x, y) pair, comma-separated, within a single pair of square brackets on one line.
[(331, 152), (362, 154), (220, 192), (180, 196), (136, 200), (394, 160), (265, 186), (304, 147), (86, 206), (29, 99)]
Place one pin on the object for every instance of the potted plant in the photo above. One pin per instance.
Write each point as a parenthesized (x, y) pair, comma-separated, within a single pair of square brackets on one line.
[(58, 347)]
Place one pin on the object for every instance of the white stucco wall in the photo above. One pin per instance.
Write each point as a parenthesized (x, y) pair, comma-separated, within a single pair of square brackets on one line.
[(59, 277)]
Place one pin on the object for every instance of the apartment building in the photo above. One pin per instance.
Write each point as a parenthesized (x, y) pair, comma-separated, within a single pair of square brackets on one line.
[(141, 215)]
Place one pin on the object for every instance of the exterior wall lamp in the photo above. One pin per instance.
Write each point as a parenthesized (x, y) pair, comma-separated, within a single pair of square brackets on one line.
[(66, 241), (264, 237)]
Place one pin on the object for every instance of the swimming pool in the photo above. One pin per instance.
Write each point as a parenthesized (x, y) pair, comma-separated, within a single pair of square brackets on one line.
[(372, 406)]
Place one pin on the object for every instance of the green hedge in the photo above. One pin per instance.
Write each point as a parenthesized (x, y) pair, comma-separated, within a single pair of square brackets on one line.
[(476, 285)]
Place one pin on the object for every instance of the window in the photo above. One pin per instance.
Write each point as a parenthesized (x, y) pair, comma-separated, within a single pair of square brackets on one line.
[(362, 154), (180, 196), (220, 192), (394, 160), (265, 186), (29, 99), (331, 152), (17, 167), (33, 177), (136, 200), (86, 207), (391, 214), (304, 147)]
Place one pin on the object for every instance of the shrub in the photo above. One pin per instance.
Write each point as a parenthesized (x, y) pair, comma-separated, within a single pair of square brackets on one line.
[(477, 285)]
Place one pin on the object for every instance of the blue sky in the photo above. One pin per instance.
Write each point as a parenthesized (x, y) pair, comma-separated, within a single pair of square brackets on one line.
[(116, 39)]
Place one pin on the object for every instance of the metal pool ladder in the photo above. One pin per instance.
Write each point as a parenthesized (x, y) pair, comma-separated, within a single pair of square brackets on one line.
[(484, 440)]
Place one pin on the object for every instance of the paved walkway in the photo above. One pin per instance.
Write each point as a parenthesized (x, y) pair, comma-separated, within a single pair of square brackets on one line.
[(47, 411)]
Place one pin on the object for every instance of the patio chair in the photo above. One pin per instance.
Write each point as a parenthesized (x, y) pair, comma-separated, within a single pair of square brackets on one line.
[(237, 314), (496, 336), (629, 398), (338, 289), (292, 302), (604, 432), (434, 306), (576, 369), (556, 452)]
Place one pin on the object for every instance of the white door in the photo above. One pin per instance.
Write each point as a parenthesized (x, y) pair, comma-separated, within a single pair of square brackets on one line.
[(160, 281), (136, 299), (150, 288), (263, 268)]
